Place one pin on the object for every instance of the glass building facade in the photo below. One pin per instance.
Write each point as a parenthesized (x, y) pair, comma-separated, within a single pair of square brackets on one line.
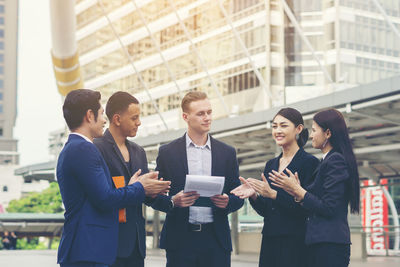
[(248, 55), (8, 80), (1, 54)]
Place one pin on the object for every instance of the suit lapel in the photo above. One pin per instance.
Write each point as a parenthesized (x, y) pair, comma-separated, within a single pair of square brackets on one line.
[(121, 158), (132, 158), (116, 150), (214, 156), (296, 160), (321, 161), (182, 168), (315, 173), (317, 169), (183, 155), (275, 163)]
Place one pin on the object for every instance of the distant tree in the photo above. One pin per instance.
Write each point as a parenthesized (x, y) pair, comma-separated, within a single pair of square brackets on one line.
[(47, 201)]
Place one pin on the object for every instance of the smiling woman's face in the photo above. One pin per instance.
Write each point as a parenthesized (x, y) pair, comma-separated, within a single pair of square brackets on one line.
[(283, 131)]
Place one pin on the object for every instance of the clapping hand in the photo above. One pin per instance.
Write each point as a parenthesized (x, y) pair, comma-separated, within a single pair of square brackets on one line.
[(290, 184), (262, 187), (244, 190), (135, 177), (152, 186)]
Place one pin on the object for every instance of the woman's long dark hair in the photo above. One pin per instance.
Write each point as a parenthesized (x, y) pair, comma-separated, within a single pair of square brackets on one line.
[(295, 117), (333, 120)]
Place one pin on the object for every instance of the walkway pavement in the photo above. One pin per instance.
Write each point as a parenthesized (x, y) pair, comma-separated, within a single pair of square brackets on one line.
[(156, 258)]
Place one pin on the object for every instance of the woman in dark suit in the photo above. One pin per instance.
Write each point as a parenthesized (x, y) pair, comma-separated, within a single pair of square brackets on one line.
[(284, 219), (336, 185)]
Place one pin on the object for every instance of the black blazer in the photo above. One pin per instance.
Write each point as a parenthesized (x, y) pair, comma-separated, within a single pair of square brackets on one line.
[(283, 216), (134, 228), (172, 165), (327, 201)]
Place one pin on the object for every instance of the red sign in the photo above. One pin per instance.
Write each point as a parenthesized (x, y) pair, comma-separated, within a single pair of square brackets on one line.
[(374, 215)]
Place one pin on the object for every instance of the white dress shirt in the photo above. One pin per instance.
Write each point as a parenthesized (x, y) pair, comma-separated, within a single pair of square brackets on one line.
[(83, 136), (199, 163)]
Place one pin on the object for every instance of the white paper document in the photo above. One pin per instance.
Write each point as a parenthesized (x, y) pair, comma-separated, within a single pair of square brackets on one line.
[(206, 186)]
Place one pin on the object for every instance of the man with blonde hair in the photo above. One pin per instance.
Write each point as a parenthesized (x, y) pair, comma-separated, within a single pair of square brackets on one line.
[(196, 229)]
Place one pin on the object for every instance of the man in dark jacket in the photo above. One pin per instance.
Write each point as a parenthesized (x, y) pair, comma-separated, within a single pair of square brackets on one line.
[(124, 158), (196, 229)]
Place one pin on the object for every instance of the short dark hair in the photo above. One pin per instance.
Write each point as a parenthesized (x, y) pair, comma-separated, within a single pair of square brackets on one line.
[(295, 117), (333, 120), (118, 103), (76, 105)]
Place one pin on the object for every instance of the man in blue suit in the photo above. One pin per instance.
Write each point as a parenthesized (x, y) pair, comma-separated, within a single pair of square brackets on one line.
[(123, 159), (90, 231), (196, 230)]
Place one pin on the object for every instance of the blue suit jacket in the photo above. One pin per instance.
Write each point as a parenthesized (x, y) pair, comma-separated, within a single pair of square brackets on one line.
[(172, 166), (283, 216), (327, 201), (133, 230), (91, 204)]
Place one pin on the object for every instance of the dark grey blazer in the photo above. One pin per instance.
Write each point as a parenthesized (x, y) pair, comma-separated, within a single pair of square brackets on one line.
[(283, 216), (327, 201), (172, 166), (134, 228)]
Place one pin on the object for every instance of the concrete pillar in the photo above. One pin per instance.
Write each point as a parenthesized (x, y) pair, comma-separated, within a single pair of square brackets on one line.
[(156, 229), (235, 232)]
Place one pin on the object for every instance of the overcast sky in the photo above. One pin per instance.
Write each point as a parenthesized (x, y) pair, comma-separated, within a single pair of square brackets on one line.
[(39, 103)]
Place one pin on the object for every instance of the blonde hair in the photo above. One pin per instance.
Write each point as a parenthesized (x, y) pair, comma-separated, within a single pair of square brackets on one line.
[(192, 97)]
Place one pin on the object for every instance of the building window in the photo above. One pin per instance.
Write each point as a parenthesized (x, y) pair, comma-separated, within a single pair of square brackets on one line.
[(1, 20), (1, 9), (1, 96), (5, 188), (1, 58), (1, 70), (1, 84), (1, 45), (1, 111), (1, 33), (1, 131)]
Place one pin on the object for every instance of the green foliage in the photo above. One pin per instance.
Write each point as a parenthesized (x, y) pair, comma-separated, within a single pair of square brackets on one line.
[(55, 243), (25, 244), (35, 244), (47, 201)]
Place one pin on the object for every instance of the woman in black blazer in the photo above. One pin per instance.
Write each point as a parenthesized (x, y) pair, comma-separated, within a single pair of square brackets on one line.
[(336, 184), (284, 219)]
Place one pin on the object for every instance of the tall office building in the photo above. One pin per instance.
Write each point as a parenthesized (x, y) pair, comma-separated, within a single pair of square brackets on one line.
[(247, 55), (351, 38), (8, 80)]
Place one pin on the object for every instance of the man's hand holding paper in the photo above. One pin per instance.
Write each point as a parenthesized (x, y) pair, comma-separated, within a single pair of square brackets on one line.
[(184, 200), (220, 201)]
